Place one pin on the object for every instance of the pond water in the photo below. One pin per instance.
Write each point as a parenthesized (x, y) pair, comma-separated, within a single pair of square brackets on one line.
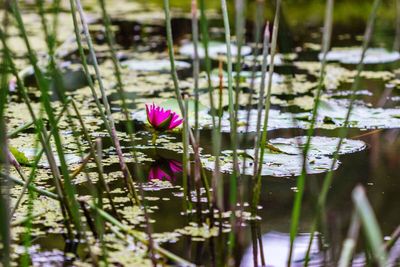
[(371, 159)]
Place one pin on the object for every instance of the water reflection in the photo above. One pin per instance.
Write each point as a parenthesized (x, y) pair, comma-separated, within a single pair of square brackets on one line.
[(164, 169), (276, 250)]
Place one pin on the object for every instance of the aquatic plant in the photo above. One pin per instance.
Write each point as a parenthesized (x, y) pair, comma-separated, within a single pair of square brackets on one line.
[(161, 119), (228, 117)]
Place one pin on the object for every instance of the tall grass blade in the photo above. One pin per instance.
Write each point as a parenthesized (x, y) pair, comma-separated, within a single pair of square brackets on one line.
[(5, 231), (296, 211), (370, 225), (39, 127), (233, 124), (343, 131), (114, 137), (179, 98), (267, 105), (43, 85), (350, 243)]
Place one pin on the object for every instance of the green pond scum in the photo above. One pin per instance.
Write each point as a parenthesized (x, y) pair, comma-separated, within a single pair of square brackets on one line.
[(277, 143)]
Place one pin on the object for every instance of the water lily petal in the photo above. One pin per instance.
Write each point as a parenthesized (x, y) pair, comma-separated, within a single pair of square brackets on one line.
[(161, 116), (174, 124), (175, 166), (159, 174)]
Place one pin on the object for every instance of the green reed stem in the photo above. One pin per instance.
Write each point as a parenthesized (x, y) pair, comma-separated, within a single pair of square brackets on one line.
[(5, 229), (216, 129), (370, 225), (20, 129), (139, 236), (113, 131), (205, 41), (393, 238), (178, 94), (121, 91), (259, 19), (343, 131), (233, 125), (40, 128), (240, 15), (196, 67), (257, 187), (350, 243), (240, 6), (36, 163), (44, 88), (39, 190), (196, 70), (326, 40), (257, 141), (186, 162), (94, 154), (396, 44)]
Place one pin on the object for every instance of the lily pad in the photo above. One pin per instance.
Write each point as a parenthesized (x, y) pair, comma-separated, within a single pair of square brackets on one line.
[(154, 65), (320, 145), (215, 49), (353, 56), (287, 161), (70, 158)]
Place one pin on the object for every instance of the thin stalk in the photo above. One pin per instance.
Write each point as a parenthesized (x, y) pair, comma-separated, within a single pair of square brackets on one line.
[(139, 236), (82, 166), (350, 243), (343, 131), (24, 220), (370, 225), (257, 139), (233, 126), (240, 15), (196, 68), (178, 93), (393, 238), (135, 234), (14, 162), (120, 88), (396, 45), (258, 18), (97, 160), (257, 187), (40, 128), (19, 129), (186, 162), (5, 229), (240, 10), (114, 137), (35, 164), (205, 41), (44, 88), (39, 190), (326, 40), (216, 129)]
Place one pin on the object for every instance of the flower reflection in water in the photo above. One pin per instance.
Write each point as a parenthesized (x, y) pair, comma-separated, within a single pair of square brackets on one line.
[(276, 250), (164, 169)]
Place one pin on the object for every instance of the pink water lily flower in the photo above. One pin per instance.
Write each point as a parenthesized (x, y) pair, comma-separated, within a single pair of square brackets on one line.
[(161, 119)]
